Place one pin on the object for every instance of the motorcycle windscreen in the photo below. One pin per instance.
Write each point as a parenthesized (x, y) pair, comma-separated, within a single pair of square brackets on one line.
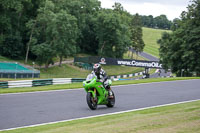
[(90, 76)]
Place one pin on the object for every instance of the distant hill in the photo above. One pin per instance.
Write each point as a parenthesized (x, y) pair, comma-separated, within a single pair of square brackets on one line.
[(150, 37)]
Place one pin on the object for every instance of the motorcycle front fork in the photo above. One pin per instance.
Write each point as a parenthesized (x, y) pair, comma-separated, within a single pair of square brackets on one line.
[(95, 93)]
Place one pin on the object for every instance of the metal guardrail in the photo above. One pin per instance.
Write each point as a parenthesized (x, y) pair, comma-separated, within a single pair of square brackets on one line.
[(77, 80), (24, 83), (3, 84), (42, 82), (62, 81)]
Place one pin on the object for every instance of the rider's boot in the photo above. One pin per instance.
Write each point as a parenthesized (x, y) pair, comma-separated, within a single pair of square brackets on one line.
[(110, 94)]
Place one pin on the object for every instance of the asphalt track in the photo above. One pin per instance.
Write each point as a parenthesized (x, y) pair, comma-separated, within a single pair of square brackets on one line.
[(17, 110)]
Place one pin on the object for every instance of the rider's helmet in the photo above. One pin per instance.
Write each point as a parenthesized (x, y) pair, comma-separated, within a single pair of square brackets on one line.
[(97, 68)]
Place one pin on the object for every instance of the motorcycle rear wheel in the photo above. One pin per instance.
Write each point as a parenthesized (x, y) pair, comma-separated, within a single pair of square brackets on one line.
[(91, 101)]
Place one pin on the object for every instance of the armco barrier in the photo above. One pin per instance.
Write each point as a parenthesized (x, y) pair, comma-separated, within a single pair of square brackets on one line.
[(22, 83), (127, 75), (3, 84), (77, 80), (42, 82), (62, 81)]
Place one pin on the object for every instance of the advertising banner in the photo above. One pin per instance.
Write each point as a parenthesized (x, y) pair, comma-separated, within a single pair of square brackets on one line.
[(114, 61)]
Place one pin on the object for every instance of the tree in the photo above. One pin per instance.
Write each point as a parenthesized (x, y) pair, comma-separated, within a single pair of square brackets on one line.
[(162, 22), (175, 24), (10, 20), (64, 32), (57, 31), (85, 11), (44, 47), (180, 51), (158, 22), (13, 33), (136, 32), (113, 35), (45, 54)]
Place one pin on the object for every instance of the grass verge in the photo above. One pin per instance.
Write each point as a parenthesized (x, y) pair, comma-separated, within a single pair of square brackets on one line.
[(182, 118), (79, 85), (70, 71), (150, 37)]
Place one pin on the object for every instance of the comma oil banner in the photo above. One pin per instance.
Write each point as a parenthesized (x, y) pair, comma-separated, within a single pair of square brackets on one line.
[(125, 62), (133, 63)]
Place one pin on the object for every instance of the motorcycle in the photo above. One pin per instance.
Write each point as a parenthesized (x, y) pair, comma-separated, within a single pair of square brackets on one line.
[(97, 94)]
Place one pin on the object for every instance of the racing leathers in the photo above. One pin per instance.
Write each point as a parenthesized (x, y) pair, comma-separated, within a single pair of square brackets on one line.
[(102, 77)]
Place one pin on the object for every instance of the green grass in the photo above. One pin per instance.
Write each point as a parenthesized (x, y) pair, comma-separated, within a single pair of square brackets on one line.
[(150, 37), (136, 57), (65, 71), (120, 70), (180, 118), (70, 71), (79, 85), (2, 58)]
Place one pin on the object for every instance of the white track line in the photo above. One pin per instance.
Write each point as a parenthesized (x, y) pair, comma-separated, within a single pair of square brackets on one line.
[(116, 86), (101, 115)]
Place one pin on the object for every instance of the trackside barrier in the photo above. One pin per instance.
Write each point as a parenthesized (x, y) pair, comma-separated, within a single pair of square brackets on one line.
[(77, 80), (42, 82), (23, 83), (126, 76), (62, 81), (3, 84)]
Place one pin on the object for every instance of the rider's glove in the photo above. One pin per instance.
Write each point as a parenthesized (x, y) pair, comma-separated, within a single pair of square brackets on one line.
[(101, 80)]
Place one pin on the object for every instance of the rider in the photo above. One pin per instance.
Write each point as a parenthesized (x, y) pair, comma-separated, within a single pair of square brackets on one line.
[(102, 77)]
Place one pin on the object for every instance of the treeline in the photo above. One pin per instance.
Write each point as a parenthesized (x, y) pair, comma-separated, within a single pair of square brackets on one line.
[(180, 50), (160, 22), (45, 29)]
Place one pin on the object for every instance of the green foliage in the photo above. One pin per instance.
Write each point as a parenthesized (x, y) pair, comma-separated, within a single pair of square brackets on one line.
[(160, 22), (45, 53), (136, 30), (29, 28), (85, 11), (64, 31), (180, 50), (113, 33), (13, 17), (55, 30)]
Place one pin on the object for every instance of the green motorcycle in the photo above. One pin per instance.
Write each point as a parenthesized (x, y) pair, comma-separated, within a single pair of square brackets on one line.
[(97, 94)]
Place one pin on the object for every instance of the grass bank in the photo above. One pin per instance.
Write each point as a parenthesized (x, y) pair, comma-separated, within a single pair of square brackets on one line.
[(182, 118), (70, 71), (79, 85), (150, 37)]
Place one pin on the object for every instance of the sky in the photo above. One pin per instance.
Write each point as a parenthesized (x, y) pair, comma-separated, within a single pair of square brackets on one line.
[(171, 8)]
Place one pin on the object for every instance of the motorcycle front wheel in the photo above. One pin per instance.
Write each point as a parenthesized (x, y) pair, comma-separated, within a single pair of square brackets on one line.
[(92, 103), (111, 101)]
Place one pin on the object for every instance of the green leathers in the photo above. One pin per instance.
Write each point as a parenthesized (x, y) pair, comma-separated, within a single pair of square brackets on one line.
[(97, 94)]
